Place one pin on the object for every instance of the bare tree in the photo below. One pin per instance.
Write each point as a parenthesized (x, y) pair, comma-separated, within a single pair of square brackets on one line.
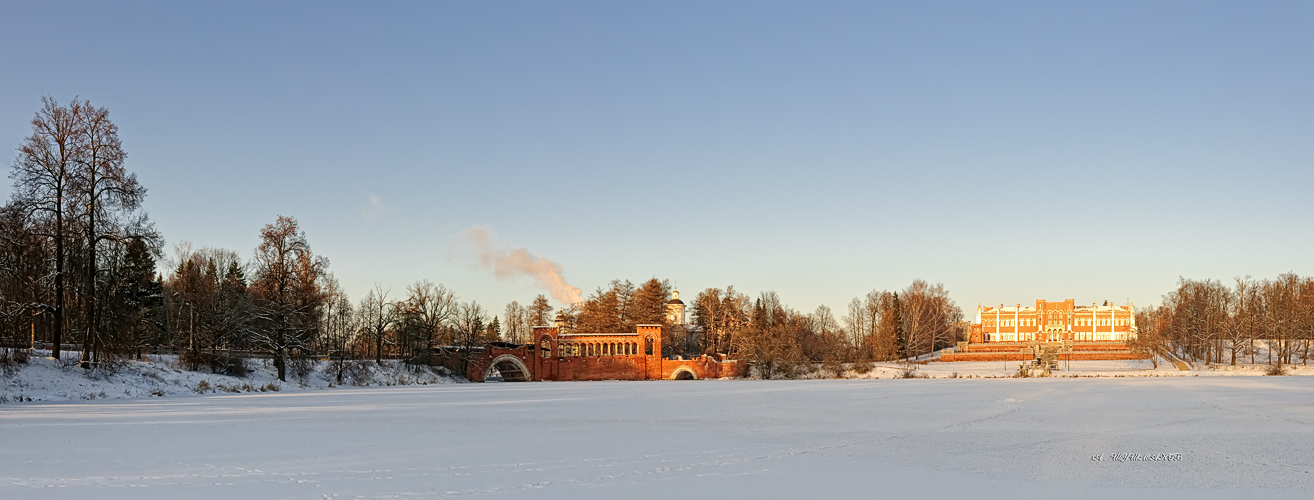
[(104, 191), (339, 327), (723, 315), (377, 317), (930, 317), (43, 178), (286, 291), (469, 329), (514, 319), (429, 307)]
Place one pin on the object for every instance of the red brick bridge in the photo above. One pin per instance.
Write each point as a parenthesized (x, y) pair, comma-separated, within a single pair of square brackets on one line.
[(584, 356)]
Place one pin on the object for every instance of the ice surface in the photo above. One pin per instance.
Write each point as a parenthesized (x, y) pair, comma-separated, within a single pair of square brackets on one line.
[(925, 438)]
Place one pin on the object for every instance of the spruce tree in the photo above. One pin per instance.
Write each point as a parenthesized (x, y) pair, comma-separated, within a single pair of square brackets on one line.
[(900, 342)]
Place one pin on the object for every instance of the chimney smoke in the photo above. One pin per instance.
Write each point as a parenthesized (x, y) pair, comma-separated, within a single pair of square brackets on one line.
[(508, 263)]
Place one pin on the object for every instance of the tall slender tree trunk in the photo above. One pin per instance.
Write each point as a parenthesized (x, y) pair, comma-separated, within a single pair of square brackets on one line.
[(59, 276), (89, 339)]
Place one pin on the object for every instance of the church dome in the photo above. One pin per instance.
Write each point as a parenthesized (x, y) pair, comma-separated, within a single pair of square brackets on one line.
[(675, 298)]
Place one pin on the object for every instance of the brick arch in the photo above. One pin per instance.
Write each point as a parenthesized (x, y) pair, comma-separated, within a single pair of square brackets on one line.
[(512, 369), (684, 373), (544, 342)]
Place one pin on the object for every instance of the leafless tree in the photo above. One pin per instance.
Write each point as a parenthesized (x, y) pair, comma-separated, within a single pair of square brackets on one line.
[(469, 329), (286, 292), (723, 315), (338, 327), (104, 192), (930, 317), (427, 308), (43, 177), (514, 323), (376, 317)]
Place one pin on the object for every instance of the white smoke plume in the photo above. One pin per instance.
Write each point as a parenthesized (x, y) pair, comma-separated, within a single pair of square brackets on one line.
[(512, 263)]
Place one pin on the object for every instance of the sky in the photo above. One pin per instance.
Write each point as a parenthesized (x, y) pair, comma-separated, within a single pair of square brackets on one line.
[(1012, 151)]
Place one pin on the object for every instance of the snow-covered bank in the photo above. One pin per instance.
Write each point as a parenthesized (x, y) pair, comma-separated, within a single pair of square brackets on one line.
[(1066, 369), (42, 378), (1127, 368), (1230, 437)]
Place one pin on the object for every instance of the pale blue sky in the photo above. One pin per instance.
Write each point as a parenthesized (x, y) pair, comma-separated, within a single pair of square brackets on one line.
[(1011, 150)]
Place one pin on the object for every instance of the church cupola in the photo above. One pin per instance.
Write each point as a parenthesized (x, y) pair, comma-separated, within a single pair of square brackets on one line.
[(675, 309)]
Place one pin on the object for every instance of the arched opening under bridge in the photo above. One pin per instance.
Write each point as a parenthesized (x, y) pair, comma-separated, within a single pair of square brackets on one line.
[(509, 368), (683, 373)]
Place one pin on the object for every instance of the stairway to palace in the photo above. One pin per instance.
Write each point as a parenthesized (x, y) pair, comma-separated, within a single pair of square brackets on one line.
[(1049, 352)]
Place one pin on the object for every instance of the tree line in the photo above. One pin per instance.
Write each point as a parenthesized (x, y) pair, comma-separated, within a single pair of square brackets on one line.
[(78, 269), (1210, 322), (778, 340)]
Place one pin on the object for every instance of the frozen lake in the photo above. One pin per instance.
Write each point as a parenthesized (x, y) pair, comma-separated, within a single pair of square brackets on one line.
[(1005, 438)]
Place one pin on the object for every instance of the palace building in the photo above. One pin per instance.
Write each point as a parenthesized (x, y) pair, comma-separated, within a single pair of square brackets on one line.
[(1049, 332), (1051, 321)]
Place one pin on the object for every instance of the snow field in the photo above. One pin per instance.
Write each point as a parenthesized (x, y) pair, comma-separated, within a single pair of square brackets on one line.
[(1006, 438)]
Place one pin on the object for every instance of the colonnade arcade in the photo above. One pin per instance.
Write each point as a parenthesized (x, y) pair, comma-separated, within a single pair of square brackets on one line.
[(570, 349), (602, 344)]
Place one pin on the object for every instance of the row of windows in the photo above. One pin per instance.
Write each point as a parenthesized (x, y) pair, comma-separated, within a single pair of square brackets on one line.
[(1024, 337), (1032, 322), (573, 349)]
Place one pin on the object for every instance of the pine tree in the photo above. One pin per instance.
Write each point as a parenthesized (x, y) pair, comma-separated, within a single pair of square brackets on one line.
[(648, 306), (540, 312), (900, 341), (494, 330), (133, 302)]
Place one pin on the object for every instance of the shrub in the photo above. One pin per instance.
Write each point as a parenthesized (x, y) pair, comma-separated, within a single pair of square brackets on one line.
[(203, 387), (1275, 370), (220, 363), (301, 366), (357, 372)]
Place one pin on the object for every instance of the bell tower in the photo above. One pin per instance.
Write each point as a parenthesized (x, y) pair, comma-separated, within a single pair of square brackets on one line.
[(675, 309)]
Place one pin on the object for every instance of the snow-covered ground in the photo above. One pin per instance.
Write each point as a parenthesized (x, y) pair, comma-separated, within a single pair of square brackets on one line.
[(46, 379), (1129, 368), (1221, 437)]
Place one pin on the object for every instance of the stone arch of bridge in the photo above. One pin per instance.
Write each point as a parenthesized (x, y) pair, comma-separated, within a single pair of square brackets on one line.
[(683, 373), (512, 368)]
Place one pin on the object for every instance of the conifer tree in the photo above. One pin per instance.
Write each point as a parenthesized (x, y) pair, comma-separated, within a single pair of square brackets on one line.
[(900, 340), (540, 312)]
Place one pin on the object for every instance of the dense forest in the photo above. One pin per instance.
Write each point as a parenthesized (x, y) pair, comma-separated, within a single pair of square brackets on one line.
[(83, 272)]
